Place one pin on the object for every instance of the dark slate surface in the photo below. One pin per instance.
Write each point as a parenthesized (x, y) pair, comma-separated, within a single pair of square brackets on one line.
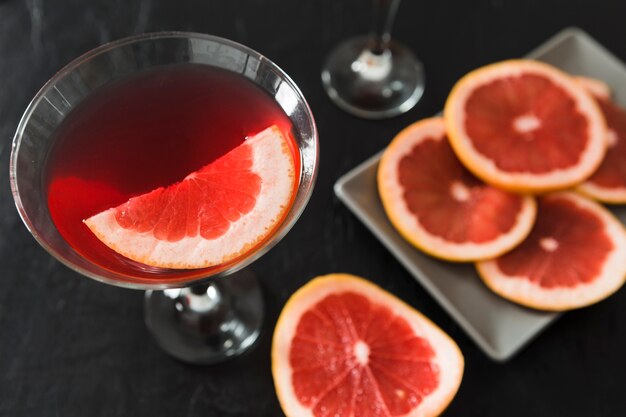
[(72, 347)]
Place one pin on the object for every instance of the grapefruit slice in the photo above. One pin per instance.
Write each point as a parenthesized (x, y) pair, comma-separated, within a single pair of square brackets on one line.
[(608, 183), (344, 347), (574, 256), (439, 206), (211, 217), (525, 126)]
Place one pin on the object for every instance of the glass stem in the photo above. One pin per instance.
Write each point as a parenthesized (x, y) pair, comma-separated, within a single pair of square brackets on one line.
[(202, 308), (382, 21)]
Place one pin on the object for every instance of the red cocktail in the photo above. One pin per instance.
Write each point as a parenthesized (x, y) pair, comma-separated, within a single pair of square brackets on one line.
[(163, 112), (144, 131)]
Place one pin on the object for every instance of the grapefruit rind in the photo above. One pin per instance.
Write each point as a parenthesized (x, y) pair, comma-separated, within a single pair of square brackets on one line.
[(597, 88), (448, 356), (522, 291), (485, 168), (408, 226), (272, 161), (603, 194)]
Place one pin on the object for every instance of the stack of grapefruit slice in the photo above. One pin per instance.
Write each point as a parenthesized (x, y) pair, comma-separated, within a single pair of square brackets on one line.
[(463, 188)]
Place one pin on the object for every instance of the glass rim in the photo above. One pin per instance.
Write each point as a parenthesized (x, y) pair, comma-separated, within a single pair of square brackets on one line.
[(299, 204)]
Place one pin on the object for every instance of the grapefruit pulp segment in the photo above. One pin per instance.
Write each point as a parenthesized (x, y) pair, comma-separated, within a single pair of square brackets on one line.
[(525, 126), (344, 347), (437, 205), (574, 256), (211, 217)]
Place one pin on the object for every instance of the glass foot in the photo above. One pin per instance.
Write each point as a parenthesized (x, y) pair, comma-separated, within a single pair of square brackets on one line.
[(371, 85), (208, 323)]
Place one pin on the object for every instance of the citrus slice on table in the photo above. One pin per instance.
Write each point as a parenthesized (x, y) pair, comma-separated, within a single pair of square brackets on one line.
[(212, 216), (439, 206), (344, 347), (574, 256), (608, 182), (525, 126)]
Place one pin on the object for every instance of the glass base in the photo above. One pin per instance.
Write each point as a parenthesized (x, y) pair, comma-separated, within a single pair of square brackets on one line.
[(208, 323), (370, 85)]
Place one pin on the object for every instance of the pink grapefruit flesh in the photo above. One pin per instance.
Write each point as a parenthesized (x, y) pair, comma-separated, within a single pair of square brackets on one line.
[(344, 347), (214, 215), (439, 206), (574, 256)]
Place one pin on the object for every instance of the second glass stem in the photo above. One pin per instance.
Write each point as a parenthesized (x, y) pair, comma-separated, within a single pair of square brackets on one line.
[(382, 21)]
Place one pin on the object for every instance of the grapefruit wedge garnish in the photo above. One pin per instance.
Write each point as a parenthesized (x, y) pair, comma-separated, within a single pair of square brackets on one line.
[(439, 206), (212, 216), (343, 347), (525, 126), (574, 256), (608, 183)]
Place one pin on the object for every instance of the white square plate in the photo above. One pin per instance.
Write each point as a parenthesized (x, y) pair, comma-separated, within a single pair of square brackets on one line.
[(500, 328)]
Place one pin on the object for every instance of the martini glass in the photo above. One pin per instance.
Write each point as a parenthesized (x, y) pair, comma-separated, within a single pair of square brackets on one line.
[(198, 316), (372, 76)]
